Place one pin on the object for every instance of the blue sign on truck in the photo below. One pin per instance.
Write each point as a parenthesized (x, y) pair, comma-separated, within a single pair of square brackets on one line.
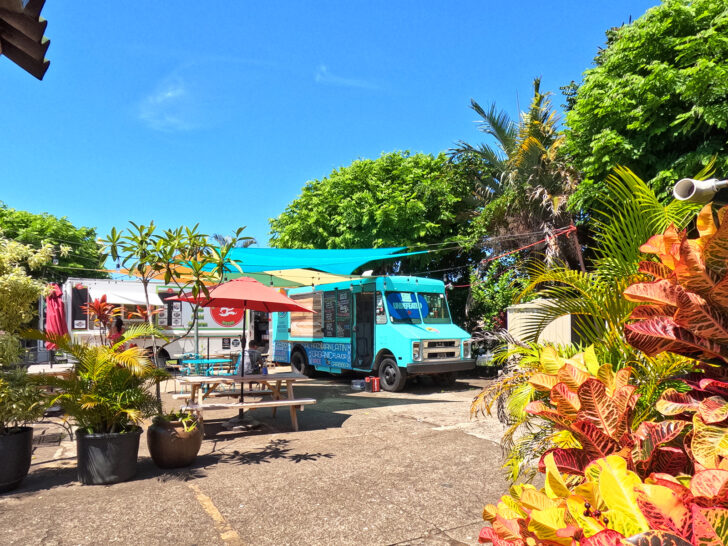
[(395, 327)]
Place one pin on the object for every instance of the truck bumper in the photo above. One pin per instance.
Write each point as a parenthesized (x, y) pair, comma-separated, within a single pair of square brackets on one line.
[(441, 366)]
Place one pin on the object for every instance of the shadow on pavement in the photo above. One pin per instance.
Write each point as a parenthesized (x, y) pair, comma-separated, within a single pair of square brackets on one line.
[(42, 479), (275, 450)]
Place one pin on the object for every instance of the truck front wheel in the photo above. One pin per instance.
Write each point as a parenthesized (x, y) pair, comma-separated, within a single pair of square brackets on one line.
[(392, 378)]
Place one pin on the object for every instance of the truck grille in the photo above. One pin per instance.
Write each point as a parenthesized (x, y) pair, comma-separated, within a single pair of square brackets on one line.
[(438, 349)]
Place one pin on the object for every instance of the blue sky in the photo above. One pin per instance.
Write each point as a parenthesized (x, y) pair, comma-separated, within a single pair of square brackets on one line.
[(219, 113)]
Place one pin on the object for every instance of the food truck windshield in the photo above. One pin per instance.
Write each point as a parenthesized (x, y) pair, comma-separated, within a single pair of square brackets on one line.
[(413, 308)]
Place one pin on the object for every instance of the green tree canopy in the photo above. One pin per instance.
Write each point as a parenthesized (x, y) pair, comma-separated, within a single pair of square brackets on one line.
[(75, 248), (398, 199), (656, 101)]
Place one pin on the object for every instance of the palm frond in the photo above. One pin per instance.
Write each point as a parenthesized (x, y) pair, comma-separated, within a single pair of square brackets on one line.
[(630, 215), (498, 124), (133, 359)]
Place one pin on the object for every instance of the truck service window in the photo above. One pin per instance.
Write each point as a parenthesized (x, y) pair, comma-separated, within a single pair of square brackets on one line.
[(435, 311), (404, 307)]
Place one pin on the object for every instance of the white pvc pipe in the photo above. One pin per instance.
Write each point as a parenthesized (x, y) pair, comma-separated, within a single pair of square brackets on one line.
[(697, 191)]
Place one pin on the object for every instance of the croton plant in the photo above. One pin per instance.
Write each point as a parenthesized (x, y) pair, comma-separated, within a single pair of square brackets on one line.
[(665, 482), (684, 308)]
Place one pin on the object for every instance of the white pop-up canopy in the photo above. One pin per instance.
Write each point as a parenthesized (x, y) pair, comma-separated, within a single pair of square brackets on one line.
[(121, 292)]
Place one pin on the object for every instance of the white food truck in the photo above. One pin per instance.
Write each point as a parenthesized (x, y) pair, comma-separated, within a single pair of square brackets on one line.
[(219, 328)]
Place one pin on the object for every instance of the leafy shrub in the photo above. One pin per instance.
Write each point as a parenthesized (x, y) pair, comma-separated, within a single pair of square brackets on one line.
[(21, 401)]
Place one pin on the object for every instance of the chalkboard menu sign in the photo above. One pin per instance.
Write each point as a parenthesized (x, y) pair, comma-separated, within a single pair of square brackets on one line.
[(329, 314), (343, 313)]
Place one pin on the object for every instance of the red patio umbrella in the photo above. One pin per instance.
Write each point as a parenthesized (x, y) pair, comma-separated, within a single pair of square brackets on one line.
[(245, 293), (55, 318)]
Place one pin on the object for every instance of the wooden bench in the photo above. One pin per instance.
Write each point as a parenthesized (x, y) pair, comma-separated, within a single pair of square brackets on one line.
[(222, 394), (293, 403)]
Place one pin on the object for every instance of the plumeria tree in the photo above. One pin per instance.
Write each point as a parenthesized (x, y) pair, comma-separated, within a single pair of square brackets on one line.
[(183, 256)]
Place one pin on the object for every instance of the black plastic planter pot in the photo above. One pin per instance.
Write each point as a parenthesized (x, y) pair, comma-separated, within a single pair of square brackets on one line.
[(15, 451), (107, 458)]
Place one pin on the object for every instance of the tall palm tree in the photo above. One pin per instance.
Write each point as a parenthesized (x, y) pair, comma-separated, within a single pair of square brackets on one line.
[(522, 181)]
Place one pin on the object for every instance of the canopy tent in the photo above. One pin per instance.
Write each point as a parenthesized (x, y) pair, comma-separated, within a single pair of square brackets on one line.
[(289, 268), (334, 261), (292, 278), (288, 278), (121, 292)]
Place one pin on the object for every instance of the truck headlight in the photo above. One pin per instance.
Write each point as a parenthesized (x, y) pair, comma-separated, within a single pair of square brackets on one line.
[(415, 350), (467, 344)]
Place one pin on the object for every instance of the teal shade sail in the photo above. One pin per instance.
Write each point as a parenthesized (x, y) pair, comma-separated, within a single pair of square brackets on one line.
[(335, 261)]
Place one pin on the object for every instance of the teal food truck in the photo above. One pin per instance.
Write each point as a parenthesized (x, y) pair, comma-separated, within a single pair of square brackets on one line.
[(395, 327)]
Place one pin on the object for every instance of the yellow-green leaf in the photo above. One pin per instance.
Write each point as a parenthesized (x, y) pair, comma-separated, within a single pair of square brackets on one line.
[(606, 376), (545, 523), (542, 381), (616, 487), (551, 362), (532, 499), (554, 485), (708, 441), (591, 361)]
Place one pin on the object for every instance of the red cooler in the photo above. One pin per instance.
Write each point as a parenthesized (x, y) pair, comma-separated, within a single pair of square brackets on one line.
[(375, 384)]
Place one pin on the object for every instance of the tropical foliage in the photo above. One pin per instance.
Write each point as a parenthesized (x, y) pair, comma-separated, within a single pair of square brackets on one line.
[(598, 312), (75, 249), (182, 256), (600, 478), (683, 307), (493, 287), (21, 400), (612, 503), (593, 298), (108, 389), (19, 293), (101, 313), (657, 100), (523, 184), (609, 477)]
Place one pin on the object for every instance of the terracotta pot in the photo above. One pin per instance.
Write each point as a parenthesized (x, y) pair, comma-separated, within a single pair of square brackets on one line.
[(171, 446), (15, 452), (107, 458)]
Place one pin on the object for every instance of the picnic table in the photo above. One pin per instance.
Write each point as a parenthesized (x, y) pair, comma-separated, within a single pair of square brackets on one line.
[(203, 387), (203, 365)]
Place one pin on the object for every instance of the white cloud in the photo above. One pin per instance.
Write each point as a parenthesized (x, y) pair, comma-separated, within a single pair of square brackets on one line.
[(323, 75), (168, 107)]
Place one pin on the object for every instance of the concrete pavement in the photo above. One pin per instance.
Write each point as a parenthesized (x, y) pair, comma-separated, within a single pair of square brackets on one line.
[(365, 468)]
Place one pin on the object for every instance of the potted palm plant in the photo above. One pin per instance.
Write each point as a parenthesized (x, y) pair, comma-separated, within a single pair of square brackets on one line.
[(174, 439), (107, 396), (21, 402)]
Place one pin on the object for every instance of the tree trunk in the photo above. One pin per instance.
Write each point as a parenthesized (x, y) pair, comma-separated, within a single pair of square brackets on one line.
[(577, 248), (150, 321)]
